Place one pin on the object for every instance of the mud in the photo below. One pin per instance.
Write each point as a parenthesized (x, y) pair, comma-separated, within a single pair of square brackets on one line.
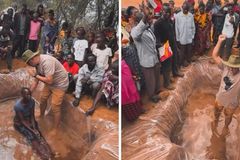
[(181, 127), (79, 137)]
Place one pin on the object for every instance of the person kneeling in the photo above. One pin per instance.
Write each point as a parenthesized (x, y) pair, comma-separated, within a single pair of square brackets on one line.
[(25, 123)]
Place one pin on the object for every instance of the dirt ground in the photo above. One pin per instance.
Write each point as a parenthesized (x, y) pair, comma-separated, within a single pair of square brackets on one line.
[(101, 112)]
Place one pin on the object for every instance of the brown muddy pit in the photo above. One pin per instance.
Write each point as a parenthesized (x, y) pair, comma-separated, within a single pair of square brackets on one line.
[(199, 138), (180, 128), (14, 146)]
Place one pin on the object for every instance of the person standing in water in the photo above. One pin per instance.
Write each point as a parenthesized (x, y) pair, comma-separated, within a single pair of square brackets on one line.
[(25, 123), (229, 90), (55, 78)]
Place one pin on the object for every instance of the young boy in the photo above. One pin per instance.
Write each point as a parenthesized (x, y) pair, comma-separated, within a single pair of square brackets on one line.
[(80, 45), (103, 53), (72, 68), (35, 28)]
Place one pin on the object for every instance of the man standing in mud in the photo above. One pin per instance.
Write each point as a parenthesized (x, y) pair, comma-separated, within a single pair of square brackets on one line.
[(55, 78), (229, 90)]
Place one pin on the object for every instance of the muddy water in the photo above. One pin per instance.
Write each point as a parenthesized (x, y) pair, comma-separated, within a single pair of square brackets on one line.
[(199, 137), (78, 137), (14, 146)]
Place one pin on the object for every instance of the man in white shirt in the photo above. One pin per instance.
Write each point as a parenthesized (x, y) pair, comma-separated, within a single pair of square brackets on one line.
[(228, 31), (185, 31)]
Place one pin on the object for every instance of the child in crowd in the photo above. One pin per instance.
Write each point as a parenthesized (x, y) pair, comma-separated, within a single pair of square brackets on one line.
[(67, 43), (80, 45), (103, 53), (72, 69), (35, 28)]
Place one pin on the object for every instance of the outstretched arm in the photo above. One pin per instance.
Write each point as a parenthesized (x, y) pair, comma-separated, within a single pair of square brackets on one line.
[(215, 55)]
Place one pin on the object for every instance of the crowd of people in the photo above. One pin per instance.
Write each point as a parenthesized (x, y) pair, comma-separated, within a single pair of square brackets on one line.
[(65, 59), (159, 38)]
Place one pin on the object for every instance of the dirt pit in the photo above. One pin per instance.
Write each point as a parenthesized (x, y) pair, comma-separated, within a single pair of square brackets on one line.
[(79, 137), (181, 128)]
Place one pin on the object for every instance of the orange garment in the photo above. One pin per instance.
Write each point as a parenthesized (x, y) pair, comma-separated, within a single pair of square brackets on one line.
[(58, 46), (201, 19)]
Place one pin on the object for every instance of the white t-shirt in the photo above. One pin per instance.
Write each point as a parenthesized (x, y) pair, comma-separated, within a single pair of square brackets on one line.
[(102, 57), (80, 46)]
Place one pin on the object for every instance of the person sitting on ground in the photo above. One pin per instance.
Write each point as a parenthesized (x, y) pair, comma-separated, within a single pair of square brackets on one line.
[(102, 52), (72, 68), (90, 75), (109, 89), (6, 38), (229, 90), (80, 45), (26, 124)]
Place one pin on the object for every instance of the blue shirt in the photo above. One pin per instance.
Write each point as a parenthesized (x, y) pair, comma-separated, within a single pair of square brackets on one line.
[(25, 110)]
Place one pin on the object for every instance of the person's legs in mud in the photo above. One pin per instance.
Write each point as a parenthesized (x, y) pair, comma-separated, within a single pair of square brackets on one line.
[(217, 112), (56, 102), (228, 112), (45, 93)]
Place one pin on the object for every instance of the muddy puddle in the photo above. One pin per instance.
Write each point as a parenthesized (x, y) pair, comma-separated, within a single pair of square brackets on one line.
[(79, 137), (198, 136), (181, 127)]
